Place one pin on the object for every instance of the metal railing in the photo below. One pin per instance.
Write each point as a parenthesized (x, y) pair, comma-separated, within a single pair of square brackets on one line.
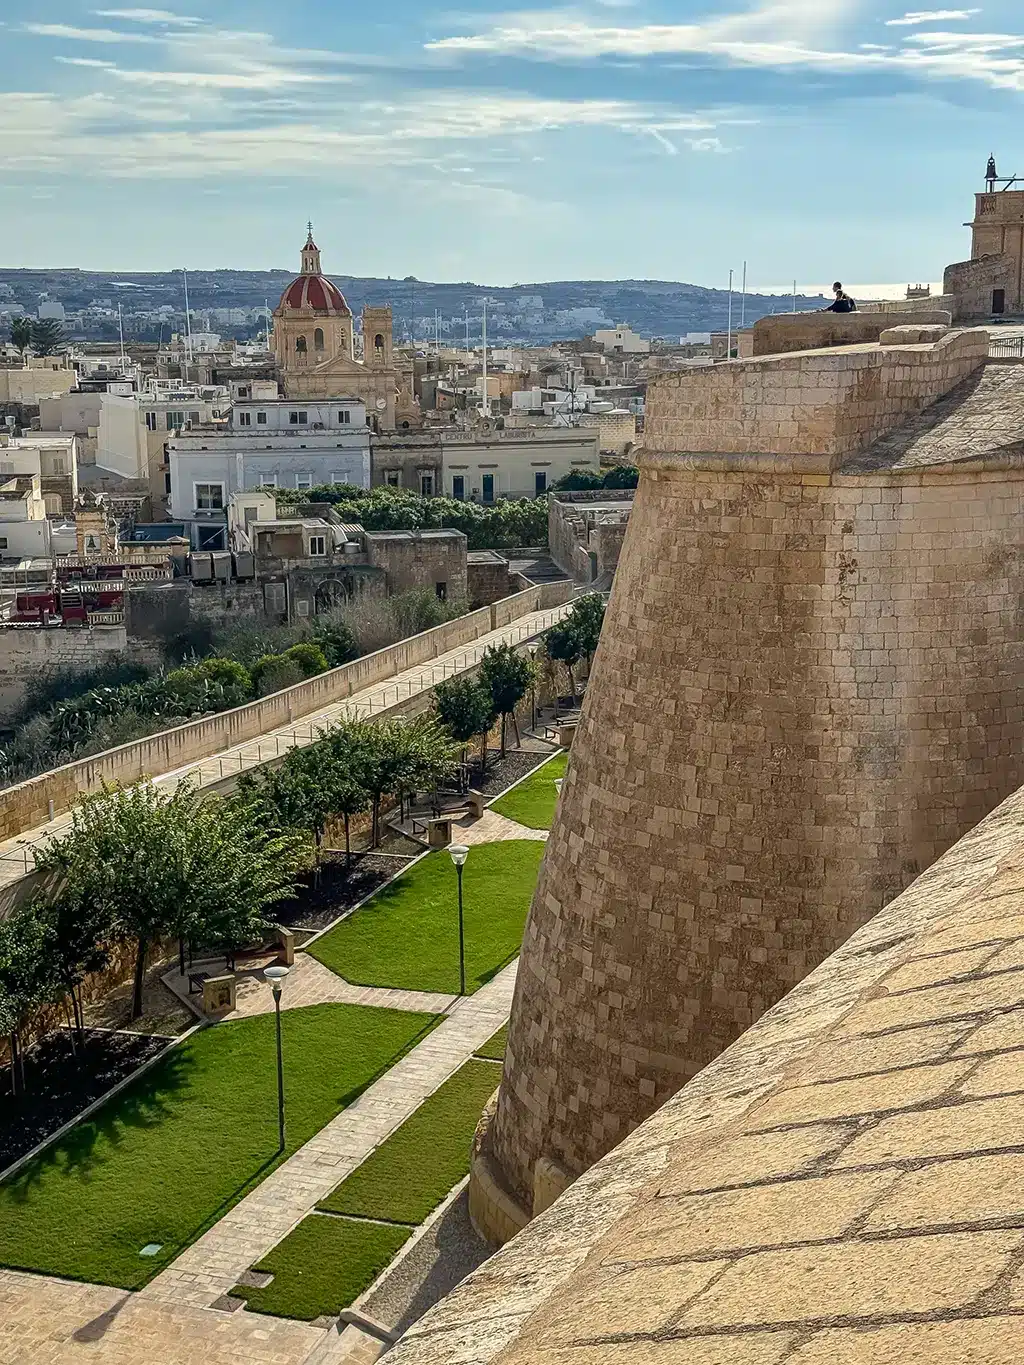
[(1006, 348)]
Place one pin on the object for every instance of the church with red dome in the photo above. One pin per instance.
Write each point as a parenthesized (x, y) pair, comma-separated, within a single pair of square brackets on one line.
[(315, 345)]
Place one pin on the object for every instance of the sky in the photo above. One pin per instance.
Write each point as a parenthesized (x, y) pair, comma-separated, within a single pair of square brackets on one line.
[(656, 139)]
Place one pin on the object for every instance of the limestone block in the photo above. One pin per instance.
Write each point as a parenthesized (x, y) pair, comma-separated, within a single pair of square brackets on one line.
[(219, 995)]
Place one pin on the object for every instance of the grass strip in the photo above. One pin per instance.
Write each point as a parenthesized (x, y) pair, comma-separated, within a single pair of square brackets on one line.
[(172, 1153), (322, 1266), (532, 803), (407, 936), (494, 1048), (409, 1174)]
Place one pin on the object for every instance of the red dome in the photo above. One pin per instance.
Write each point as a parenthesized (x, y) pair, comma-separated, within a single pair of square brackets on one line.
[(315, 293)]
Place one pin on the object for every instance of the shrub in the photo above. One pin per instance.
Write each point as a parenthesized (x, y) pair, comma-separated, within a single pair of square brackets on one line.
[(309, 657), (274, 672)]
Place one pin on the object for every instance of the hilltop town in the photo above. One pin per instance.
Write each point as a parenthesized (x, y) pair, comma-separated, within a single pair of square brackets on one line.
[(511, 846)]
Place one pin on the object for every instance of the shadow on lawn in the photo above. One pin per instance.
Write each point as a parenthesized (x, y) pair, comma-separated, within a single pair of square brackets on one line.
[(146, 1103)]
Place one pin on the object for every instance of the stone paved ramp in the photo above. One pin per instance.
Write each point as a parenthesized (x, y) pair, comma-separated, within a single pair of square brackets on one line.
[(57, 1322)]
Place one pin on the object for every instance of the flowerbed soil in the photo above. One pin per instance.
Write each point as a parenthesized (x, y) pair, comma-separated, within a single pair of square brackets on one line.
[(502, 772), (340, 887), (59, 1084)]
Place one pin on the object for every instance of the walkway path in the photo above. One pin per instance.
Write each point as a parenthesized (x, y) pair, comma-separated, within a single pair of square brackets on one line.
[(211, 1266), (391, 696), (311, 983)]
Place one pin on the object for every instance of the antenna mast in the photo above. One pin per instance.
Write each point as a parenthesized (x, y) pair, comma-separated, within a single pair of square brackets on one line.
[(188, 319)]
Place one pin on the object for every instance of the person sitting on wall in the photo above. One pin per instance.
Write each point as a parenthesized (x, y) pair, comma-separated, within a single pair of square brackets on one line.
[(843, 303)]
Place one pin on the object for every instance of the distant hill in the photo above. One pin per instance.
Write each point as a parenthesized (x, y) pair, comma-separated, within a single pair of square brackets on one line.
[(664, 308)]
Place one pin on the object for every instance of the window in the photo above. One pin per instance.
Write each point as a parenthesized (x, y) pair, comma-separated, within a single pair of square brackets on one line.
[(298, 419), (261, 419), (300, 345), (441, 589), (243, 391), (268, 480), (318, 339), (53, 504), (344, 417), (274, 599), (459, 487), (250, 514), (209, 497), (318, 545), (3, 542), (540, 482), (487, 483), (58, 464), (193, 417), (151, 421), (304, 480), (378, 343), (393, 478), (175, 421), (302, 607), (245, 419), (426, 485)]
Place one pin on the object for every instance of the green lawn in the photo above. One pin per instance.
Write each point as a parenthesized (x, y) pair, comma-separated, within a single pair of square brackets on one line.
[(322, 1266), (408, 935), (409, 1174), (495, 1045), (532, 803), (168, 1156)]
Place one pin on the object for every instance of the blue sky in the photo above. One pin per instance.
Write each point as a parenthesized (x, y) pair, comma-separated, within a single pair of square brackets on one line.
[(611, 138)]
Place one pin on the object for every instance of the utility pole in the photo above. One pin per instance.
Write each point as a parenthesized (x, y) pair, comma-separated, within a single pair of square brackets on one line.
[(794, 296), (728, 334), (743, 299), (188, 320), (120, 332), (487, 396)]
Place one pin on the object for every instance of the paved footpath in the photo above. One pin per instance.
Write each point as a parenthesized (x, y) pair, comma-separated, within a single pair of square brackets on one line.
[(211, 1266), (16, 854)]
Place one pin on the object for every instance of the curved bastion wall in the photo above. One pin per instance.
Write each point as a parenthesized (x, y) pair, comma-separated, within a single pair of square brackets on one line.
[(810, 683)]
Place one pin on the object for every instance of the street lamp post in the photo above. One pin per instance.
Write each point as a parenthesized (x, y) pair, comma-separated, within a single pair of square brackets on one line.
[(276, 976), (459, 853)]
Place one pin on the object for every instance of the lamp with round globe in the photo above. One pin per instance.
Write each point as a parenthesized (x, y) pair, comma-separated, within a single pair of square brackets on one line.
[(458, 854), (276, 975)]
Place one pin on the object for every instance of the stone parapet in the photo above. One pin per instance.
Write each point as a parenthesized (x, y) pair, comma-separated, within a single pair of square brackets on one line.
[(782, 332), (821, 405)]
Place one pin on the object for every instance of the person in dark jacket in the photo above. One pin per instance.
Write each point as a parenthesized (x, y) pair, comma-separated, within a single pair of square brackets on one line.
[(843, 302)]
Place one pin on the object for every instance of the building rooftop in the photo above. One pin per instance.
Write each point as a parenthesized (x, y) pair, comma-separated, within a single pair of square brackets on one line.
[(983, 415)]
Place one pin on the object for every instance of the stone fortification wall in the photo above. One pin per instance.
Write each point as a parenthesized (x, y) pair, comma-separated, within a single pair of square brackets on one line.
[(923, 1001), (32, 656), (821, 403), (971, 285), (27, 805), (810, 683), (783, 332)]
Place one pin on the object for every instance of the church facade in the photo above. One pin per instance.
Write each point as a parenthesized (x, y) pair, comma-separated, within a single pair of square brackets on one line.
[(315, 345)]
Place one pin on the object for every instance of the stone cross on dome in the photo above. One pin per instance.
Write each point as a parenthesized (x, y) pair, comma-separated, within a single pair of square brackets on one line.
[(310, 254)]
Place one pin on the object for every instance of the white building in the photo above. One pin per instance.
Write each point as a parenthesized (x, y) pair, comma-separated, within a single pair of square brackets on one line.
[(553, 402), (134, 428), (51, 311), (280, 443), (51, 457), (25, 532), (622, 339)]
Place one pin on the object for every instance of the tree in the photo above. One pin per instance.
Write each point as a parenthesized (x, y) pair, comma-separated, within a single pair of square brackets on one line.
[(161, 864), (464, 707), (402, 755), (562, 644), (48, 336), (273, 673), (25, 982), (350, 793), (309, 657), (586, 618), (77, 941), (508, 676), (21, 334)]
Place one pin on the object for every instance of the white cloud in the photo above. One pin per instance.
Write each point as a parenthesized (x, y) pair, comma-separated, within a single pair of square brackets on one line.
[(87, 35), (149, 16), (931, 16), (781, 34)]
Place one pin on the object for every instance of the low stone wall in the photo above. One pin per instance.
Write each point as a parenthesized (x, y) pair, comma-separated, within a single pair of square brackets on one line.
[(27, 805), (783, 332)]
